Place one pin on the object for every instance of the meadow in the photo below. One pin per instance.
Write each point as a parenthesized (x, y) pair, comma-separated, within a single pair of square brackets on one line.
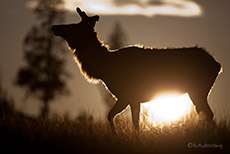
[(21, 133)]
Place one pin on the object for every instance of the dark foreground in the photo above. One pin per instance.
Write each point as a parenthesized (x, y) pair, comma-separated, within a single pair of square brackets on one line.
[(20, 133)]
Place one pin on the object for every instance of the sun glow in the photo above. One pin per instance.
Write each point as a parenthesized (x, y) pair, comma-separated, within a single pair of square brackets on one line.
[(166, 109)]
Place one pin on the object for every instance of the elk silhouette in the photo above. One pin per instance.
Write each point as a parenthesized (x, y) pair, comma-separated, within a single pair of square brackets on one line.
[(136, 75)]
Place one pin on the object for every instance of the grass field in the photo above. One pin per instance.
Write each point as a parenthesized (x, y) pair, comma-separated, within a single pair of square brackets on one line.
[(20, 133)]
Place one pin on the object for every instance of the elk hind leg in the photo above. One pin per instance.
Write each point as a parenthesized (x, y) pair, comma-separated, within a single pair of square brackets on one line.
[(201, 104)]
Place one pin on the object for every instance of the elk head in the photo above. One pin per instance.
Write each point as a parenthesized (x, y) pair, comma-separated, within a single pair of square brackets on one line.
[(75, 34)]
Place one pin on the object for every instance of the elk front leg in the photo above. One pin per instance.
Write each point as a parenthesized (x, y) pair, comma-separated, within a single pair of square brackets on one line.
[(135, 108), (117, 108)]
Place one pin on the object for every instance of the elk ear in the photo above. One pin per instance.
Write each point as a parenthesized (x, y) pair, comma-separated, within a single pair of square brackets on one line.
[(82, 14), (96, 18), (93, 20), (90, 21)]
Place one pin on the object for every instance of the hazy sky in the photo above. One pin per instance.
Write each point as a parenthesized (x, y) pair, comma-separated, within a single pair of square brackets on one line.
[(208, 27), (186, 8)]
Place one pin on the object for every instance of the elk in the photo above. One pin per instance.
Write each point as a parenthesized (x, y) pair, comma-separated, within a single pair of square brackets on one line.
[(136, 75)]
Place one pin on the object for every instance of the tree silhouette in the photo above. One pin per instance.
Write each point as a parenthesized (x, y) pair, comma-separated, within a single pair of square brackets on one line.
[(117, 38), (6, 103), (43, 75)]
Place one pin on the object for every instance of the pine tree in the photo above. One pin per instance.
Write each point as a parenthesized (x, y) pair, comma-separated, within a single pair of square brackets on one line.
[(117, 39), (44, 75), (6, 103)]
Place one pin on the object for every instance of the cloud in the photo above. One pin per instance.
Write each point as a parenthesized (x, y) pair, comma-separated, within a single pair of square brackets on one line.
[(184, 8)]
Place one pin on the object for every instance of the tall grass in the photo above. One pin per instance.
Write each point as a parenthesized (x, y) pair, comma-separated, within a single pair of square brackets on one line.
[(85, 135)]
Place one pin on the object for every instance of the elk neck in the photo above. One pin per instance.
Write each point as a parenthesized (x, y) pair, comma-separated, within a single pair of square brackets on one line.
[(91, 57)]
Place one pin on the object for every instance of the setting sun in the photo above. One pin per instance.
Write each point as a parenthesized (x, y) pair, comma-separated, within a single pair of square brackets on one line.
[(167, 108)]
